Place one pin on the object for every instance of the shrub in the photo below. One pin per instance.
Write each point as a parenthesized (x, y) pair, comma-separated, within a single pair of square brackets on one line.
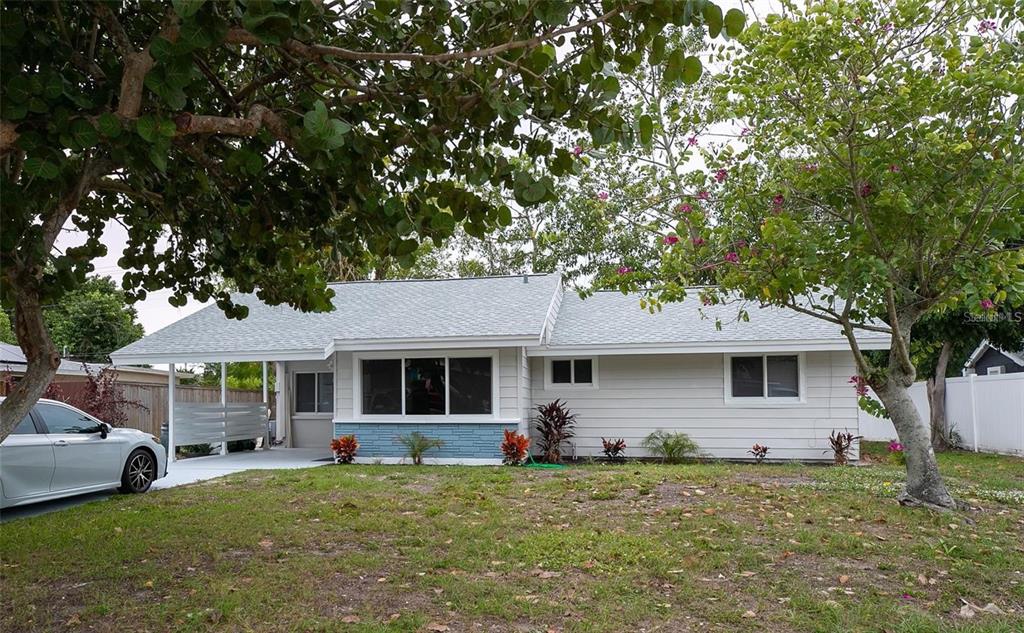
[(841, 444), (193, 450), (416, 444), (759, 452), (236, 446), (614, 449), (514, 447), (344, 449), (554, 424), (672, 448)]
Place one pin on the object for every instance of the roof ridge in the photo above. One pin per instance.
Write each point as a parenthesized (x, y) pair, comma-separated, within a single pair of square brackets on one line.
[(386, 281)]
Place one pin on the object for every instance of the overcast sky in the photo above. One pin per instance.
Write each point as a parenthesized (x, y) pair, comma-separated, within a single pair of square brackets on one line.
[(155, 312)]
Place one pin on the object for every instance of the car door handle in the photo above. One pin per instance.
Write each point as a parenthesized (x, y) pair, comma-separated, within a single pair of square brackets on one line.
[(60, 443)]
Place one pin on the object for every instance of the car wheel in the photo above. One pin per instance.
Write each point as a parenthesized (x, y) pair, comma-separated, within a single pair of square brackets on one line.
[(139, 472)]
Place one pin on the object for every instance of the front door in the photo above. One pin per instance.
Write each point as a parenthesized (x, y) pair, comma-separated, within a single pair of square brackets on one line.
[(26, 461), (82, 456)]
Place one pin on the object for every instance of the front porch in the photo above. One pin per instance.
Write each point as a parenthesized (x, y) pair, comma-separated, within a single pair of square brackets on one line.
[(187, 471)]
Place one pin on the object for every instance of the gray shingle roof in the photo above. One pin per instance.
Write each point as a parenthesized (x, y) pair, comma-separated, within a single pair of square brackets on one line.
[(476, 307), (612, 318)]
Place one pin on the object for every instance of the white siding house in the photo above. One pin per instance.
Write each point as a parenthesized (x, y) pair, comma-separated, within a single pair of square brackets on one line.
[(463, 360)]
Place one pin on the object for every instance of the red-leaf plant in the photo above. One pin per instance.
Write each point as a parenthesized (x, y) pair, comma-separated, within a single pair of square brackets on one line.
[(614, 449), (554, 424), (514, 447), (345, 449), (759, 452), (841, 444), (100, 395)]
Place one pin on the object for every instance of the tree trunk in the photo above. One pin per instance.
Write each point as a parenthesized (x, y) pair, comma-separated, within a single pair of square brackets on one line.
[(41, 353), (937, 399), (924, 483)]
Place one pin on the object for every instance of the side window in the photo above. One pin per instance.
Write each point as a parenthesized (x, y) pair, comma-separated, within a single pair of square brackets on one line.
[(64, 420), (25, 427)]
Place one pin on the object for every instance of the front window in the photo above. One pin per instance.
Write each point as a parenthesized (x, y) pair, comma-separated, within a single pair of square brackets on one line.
[(765, 377), (427, 386), (314, 392)]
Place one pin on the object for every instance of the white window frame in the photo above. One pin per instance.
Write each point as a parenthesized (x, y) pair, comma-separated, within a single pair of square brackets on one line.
[(316, 395), (549, 383), (766, 400), (995, 370), (357, 387)]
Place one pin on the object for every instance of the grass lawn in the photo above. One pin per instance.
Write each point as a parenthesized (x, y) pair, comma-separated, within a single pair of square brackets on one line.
[(630, 547)]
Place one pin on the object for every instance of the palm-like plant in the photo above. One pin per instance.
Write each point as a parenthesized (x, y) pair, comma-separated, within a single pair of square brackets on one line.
[(554, 423), (416, 444), (672, 448)]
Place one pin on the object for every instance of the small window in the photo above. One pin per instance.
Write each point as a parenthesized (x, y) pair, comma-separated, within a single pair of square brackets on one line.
[(572, 371), (765, 377), (561, 372), (996, 370), (314, 392), (60, 419)]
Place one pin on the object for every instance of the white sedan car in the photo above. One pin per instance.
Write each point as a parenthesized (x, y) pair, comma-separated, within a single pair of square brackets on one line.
[(58, 451)]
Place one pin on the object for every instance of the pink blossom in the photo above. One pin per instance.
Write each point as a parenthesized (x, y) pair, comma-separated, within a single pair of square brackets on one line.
[(987, 304), (778, 200), (741, 243), (858, 21), (811, 167), (895, 447), (860, 385), (894, 169), (624, 270), (577, 150), (720, 175), (670, 240), (986, 25), (745, 132), (887, 27), (865, 190), (690, 142), (685, 207), (703, 195), (706, 300), (602, 195), (698, 241), (732, 258)]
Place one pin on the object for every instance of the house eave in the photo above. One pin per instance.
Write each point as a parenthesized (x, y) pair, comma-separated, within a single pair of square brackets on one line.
[(441, 342), (151, 358), (806, 345)]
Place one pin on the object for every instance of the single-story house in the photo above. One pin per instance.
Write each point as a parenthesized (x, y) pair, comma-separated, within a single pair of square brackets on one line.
[(13, 361), (463, 359), (988, 360)]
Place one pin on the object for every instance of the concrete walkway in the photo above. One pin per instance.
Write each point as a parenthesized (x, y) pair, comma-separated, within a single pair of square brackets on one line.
[(188, 471)]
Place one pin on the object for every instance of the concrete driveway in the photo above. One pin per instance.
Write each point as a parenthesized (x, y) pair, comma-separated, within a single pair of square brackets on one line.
[(187, 471)]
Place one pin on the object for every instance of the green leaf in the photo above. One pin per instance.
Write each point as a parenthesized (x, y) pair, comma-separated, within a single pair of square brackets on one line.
[(646, 125), (734, 22), (187, 8), (692, 69), (146, 127), (83, 134), (504, 215), (657, 54), (271, 28), (41, 167), (535, 192), (109, 125), (674, 66), (713, 18), (315, 121)]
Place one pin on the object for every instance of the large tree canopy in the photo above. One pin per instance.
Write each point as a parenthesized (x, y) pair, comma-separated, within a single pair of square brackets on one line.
[(93, 320), (881, 177), (238, 140)]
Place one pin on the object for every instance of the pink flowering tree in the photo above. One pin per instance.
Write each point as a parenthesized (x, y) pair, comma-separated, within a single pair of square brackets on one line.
[(881, 183)]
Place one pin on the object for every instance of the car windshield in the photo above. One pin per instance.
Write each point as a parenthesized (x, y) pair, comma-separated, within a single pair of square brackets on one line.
[(60, 419)]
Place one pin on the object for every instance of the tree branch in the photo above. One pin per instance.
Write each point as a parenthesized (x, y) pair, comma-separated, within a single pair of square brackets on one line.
[(259, 117)]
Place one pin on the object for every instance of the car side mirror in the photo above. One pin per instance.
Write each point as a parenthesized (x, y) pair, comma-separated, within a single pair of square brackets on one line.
[(104, 430)]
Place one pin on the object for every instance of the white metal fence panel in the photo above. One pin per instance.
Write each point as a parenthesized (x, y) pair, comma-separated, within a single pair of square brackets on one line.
[(986, 411), (214, 423)]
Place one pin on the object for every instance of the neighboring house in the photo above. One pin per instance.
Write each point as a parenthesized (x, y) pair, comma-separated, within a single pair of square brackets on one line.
[(13, 361), (463, 359), (987, 360)]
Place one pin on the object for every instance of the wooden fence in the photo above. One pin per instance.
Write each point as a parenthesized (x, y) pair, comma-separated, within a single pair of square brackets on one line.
[(154, 399)]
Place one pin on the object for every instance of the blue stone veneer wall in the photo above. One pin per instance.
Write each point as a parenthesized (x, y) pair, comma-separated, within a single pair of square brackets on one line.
[(380, 439)]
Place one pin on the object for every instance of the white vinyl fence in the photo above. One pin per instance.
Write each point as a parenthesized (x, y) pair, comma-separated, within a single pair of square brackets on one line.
[(987, 412), (214, 423)]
